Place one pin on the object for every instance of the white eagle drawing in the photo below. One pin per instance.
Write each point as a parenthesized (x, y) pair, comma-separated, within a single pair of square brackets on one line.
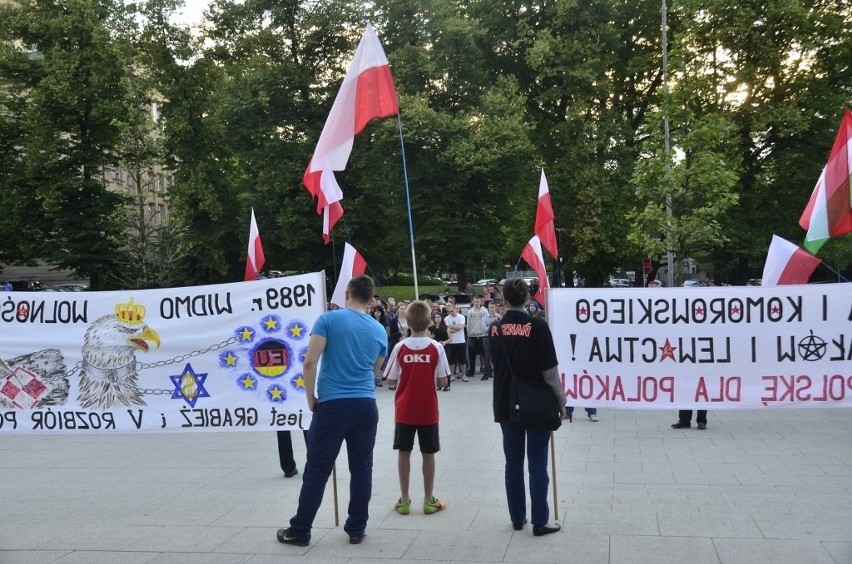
[(108, 375)]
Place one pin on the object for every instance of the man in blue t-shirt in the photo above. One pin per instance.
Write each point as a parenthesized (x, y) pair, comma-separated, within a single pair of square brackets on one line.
[(352, 345)]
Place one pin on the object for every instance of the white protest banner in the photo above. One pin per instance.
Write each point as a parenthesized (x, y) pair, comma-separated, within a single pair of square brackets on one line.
[(708, 347), (203, 358)]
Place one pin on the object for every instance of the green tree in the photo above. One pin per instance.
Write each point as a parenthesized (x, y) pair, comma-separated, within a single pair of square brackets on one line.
[(63, 92), (589, 72), (470, 163), (683, 199), (779, 70), (243, 114)]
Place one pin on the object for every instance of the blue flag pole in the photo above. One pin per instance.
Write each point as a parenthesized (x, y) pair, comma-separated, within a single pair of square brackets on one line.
[(408, 205)]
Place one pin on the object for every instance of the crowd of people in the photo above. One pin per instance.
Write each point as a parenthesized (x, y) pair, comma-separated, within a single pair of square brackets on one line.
[(418, 347), (464, 337)]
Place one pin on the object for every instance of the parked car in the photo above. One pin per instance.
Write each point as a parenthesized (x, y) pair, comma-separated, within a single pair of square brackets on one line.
[(438, 298), (484, 282), (462, 302), (70, 288), (25, 285), (529, 280)]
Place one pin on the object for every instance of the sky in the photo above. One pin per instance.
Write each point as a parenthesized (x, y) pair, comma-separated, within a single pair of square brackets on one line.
[(191, 12)]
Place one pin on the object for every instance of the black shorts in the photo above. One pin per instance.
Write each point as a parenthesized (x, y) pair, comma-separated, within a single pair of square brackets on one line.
[(456, 353), (403, 438)]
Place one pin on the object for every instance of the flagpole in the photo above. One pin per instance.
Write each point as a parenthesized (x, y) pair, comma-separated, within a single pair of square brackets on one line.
[(408, 205), (670, 258), (840, 277)]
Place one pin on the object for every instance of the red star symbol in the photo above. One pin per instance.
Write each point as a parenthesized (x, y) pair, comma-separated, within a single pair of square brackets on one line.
[(735, 310), (776, 309), (668, 351), (583, 311), (699, 310)]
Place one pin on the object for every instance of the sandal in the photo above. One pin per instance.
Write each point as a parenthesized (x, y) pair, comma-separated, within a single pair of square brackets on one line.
[(433, 506), (403, 508)]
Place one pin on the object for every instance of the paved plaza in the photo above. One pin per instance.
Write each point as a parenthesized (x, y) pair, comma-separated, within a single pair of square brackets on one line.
[(755, 487)]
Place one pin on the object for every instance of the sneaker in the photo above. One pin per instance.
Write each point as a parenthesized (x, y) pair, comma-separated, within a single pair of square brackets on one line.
[(403, 508), (541, 530), (702, 426), (593, 418), (287, 536), (356, 539), (291, 473), (434, 506), (518, 525), (681, 425)]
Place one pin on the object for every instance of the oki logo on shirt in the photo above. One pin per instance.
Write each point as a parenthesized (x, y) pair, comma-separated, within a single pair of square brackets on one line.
[(417, 358)]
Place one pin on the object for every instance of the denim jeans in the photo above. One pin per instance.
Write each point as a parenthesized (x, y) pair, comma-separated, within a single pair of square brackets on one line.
[(515, 442), (352, 420)]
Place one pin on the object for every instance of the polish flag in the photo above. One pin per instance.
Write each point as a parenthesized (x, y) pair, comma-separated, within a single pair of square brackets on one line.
[(533, 257), (544, 219), (367, 92), (787, 263), (829, 211), (353, 265), (254, 257)]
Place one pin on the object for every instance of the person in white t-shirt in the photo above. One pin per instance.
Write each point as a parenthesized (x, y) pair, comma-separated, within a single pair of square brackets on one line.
[(457, 348)]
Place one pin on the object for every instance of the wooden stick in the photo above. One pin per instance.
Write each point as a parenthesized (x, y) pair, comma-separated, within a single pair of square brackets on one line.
[(553, 471), (334, 489)]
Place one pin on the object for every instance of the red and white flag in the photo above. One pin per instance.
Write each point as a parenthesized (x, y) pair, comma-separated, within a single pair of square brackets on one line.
[(544, 219), (254, 257), (367, 92), (533, 257), (829, 211), (787, 263), (353, 265)]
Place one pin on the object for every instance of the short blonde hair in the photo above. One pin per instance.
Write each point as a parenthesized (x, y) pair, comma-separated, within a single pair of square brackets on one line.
[(418, 315)]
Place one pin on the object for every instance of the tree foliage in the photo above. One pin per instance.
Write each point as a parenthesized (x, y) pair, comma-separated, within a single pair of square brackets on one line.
[(62, 80), (490, 91)]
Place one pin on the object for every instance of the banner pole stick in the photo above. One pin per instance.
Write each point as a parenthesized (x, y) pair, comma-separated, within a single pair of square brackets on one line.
[(334, 489), (553, 471)]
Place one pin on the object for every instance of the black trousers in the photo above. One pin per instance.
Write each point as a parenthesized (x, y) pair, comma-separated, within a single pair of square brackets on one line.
[(474, 347), (285, 451), (685, 416)]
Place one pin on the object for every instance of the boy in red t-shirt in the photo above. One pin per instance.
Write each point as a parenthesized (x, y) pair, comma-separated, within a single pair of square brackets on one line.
[(419, 363)]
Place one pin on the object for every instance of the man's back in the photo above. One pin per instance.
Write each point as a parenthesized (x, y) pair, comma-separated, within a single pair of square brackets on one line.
[(353, 342)]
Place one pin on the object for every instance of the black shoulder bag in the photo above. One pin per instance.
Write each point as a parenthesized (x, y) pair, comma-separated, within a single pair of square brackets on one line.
[(532, 405)]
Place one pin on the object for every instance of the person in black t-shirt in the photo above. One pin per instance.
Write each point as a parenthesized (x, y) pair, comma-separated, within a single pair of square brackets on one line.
[(522, 347)]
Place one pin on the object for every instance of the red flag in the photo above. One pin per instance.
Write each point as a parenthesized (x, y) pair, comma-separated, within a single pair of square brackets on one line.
[(254, 257), (829, 211), (367, 92), (532, 255), (544, 219), (353, 265), (786, 263)]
